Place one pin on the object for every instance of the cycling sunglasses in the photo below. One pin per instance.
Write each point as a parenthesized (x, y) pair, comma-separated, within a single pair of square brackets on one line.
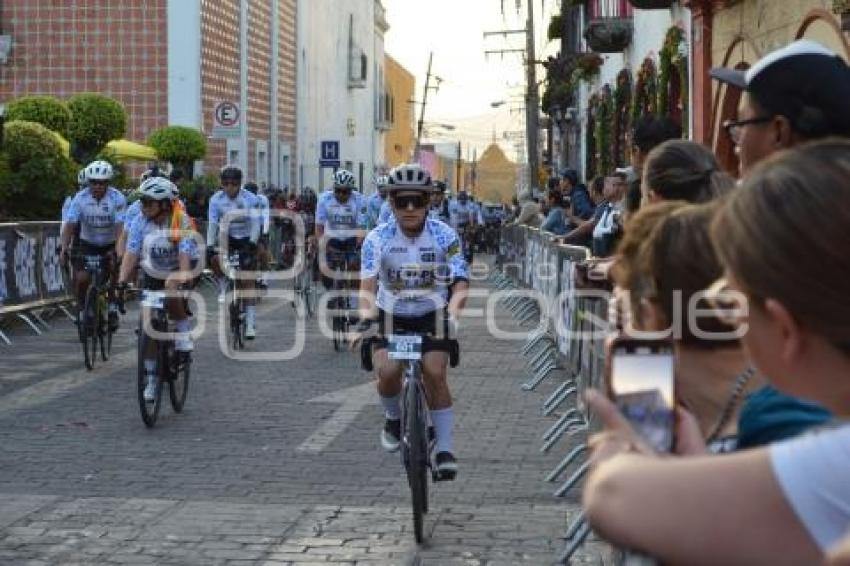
[(405, 201)]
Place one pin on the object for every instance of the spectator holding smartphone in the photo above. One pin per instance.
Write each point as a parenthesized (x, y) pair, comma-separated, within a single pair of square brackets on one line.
[(784, 504)]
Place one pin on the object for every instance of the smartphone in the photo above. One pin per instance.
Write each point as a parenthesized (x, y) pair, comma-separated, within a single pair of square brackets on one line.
[(642, 386)]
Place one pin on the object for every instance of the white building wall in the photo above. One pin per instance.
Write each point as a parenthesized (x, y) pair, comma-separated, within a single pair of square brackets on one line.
[(184, 63), (328, 109)]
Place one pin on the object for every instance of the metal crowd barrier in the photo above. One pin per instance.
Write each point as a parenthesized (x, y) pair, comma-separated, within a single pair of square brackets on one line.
[(565, 344), (33, 284)]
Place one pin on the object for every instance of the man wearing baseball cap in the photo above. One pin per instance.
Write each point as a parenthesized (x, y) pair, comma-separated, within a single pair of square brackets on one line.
[(797, 93)]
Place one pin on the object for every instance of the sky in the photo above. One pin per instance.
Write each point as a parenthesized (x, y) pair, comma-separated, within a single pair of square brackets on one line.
[(454, 31)]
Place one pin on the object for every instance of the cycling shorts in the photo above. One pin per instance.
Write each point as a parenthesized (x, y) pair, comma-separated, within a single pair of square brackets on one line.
[(247, 252), (424, 325), (84, 248), (339, 248)]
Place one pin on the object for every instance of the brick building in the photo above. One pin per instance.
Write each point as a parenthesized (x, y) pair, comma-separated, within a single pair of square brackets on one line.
[(168, 62)]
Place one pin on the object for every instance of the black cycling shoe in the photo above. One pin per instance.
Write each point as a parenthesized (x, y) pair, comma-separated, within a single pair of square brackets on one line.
[(390, 436), (445, 466)]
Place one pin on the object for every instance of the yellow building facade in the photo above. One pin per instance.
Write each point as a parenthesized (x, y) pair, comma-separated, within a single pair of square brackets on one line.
[(496, 176), (400, 137)]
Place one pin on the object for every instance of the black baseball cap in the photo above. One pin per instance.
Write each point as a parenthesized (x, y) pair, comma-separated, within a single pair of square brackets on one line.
[(803, 81)]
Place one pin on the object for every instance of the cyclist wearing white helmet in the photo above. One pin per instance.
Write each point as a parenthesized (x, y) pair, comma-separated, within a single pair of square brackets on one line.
[(236, 207), (377, 199), (439, 203), (341, 218), (414, 277), (98, 211), (161, 241), (134, 208), (463, 217)]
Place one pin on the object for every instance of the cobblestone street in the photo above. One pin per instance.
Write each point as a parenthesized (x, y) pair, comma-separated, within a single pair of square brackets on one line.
[(270, 462)]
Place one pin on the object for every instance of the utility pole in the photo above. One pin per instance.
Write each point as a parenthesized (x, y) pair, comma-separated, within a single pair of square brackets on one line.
[(459, 165), (532, 104), (531, 98), (421, 122)]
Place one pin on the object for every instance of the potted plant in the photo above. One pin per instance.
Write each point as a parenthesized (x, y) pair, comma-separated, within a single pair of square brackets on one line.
[(587, 66), (652, 4), (608, 35)]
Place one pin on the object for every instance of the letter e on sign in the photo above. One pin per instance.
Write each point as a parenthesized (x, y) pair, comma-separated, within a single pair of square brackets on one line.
[(227, 114)]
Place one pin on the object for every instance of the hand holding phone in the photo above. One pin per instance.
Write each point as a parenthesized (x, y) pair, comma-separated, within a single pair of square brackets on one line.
[(642, 386)]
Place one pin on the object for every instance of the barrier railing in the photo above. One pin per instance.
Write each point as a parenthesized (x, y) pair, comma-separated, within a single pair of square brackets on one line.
[(31, 275), (566, 343)]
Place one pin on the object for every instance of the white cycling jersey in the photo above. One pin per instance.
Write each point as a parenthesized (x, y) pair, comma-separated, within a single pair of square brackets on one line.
[(265, 215), (98, 218), (237, 212), (375, 204), (156, 248), (133, 211), (386, 214), (414, 274), (462, 214), (342, 220)]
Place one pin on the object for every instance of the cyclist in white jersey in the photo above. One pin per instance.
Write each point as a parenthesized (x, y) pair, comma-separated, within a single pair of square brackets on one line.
[(386, 213), (234, 208), (264, 212), (341, 219), (98, 211), (134, 209), (377, 200), (414, 277), (161, 241), (439, 209), (463, 216)]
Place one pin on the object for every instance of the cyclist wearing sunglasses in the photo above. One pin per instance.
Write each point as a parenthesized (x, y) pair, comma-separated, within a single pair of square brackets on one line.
[(463, 216), (414, 278), (161, 241), (341, 218), (98, 211), (236, 208)]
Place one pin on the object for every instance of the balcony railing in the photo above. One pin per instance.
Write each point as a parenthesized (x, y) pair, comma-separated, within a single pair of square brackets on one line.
[(597, 9)]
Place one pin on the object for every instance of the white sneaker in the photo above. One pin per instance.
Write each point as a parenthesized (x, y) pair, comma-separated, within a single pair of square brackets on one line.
[(150, 389), (221, 296), (184, 344), (250, 331)]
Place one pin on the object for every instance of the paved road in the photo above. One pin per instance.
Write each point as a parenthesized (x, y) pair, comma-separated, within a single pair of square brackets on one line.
[(268, 464)]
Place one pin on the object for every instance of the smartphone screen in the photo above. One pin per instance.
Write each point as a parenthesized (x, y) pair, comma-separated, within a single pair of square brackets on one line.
[(642, 387)]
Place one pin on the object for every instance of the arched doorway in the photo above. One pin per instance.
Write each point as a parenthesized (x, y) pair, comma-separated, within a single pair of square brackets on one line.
[(724, 149)]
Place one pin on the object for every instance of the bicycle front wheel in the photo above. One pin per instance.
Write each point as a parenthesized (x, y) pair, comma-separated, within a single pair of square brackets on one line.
[(89, 327), (149, 410), (308, 291), (178, 385), (417, 454), (105, 333)]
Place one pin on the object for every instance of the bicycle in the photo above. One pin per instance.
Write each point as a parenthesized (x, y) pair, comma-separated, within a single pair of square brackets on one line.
[(305, 288), (236, 307), (93, 328), (416, 441), (172, 367), (340, 323)]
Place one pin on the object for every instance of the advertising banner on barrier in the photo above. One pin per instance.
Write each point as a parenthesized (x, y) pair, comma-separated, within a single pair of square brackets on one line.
[(30, 267)]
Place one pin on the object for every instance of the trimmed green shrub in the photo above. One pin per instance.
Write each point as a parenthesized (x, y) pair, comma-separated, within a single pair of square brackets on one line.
[(95, 121), (180, 145), (28, 141), (48, 111)]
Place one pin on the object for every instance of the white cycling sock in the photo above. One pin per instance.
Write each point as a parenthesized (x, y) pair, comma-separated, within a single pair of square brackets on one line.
[(150, 366), (444, 422), (392, 408), (251, 313)]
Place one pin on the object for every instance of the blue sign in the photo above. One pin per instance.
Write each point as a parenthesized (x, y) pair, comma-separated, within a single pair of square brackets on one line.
[(329, 154)]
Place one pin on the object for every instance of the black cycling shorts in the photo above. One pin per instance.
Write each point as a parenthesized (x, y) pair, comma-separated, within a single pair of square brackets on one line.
[(247, 253), (85, 248), (425, 325)]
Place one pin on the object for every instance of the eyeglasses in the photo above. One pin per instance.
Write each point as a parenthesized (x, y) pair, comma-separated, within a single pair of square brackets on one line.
[(735, 128), (98, 182), (147, 201), (230, 184), (405, 201)]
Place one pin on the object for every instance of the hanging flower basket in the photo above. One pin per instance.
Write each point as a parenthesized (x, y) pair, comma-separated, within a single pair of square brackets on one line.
[(555, 27), (587, 67), (652, 4), (609, 35)]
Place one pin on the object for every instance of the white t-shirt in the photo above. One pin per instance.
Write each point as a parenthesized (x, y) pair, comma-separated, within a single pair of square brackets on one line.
[(814, 474)]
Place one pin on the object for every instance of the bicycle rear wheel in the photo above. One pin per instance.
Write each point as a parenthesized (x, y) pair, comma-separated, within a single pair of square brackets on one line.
[(308, 292), (417, 454), (89, 325), (105, 333), (338, 319), (149, 411), (237, 323), (178, 385)]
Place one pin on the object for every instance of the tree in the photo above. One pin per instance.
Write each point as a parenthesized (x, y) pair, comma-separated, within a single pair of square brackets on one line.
[(48, 111), (179, 145), (34, 174), (95, 121)]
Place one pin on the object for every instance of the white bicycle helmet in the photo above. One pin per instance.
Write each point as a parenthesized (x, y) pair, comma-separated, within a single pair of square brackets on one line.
[(344, 178), (99, 171), (159, 188), (410, 177), (381, 181)]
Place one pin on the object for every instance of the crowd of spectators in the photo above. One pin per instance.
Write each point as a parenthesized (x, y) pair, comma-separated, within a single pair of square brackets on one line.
[(760, 472)]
